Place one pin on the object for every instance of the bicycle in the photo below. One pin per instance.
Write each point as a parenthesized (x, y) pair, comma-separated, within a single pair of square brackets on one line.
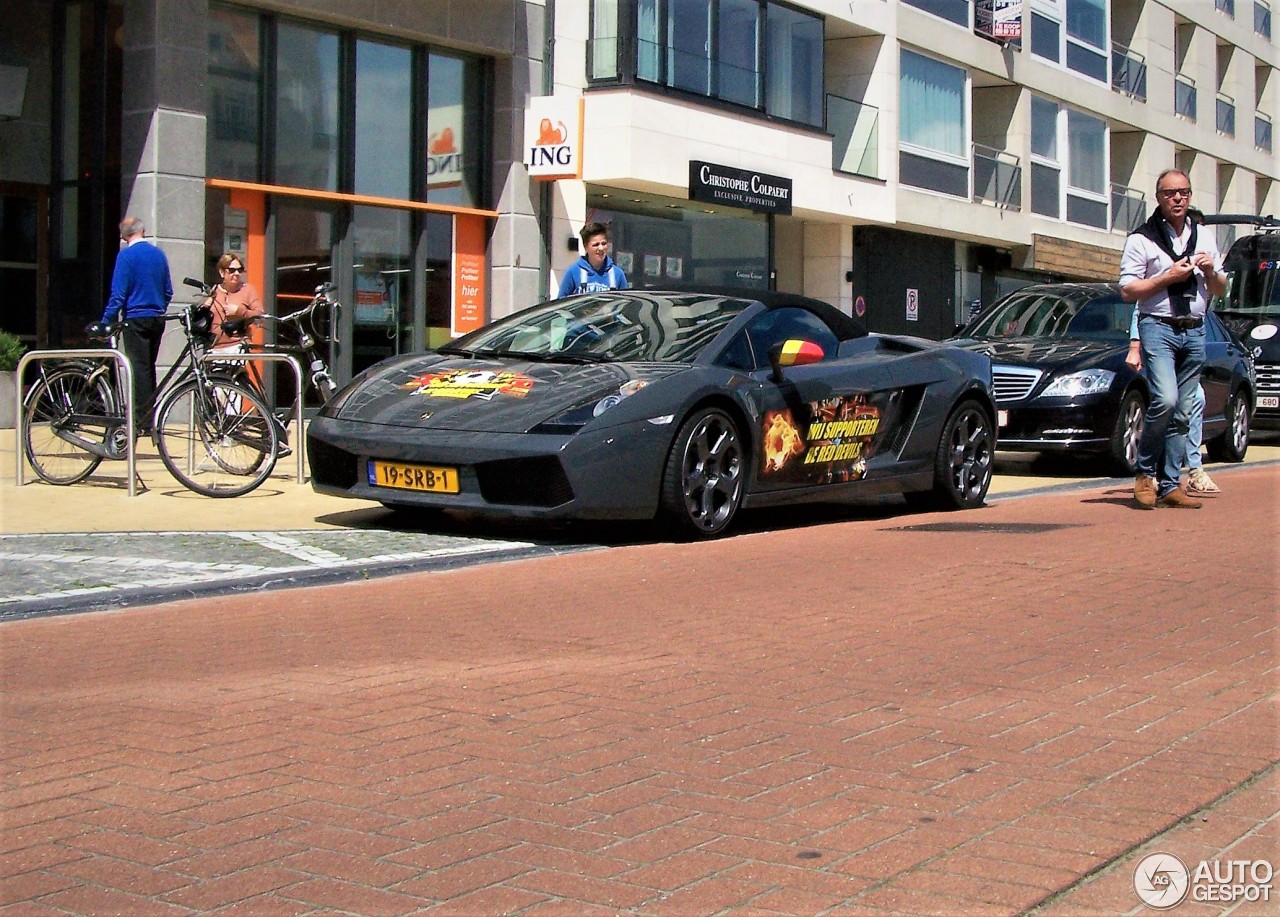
[(306, 333), (213, 434)]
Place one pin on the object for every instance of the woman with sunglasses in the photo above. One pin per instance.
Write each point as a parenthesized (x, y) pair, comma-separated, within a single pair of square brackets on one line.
[(234, 301)]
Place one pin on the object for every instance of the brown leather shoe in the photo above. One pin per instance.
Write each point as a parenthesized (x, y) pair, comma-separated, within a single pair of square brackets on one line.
[(1178, 499), (1144, 491)]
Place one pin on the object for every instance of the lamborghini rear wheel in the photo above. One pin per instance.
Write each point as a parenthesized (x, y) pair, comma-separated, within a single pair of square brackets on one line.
[(706, 470)]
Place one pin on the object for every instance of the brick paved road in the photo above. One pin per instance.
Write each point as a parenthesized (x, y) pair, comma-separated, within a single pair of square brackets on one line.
[(943, 714)]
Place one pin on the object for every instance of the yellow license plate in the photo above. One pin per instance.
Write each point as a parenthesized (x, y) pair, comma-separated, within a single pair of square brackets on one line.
[(436, 479)]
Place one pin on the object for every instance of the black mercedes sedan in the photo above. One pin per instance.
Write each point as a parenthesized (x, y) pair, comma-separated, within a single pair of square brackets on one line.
[(1057, 353)]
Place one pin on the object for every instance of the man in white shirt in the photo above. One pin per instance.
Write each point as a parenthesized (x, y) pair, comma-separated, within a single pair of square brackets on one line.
[(1171, 269)]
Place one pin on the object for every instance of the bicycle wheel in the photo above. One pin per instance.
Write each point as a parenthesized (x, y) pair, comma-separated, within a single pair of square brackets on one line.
[(216, 438), (67, 407)]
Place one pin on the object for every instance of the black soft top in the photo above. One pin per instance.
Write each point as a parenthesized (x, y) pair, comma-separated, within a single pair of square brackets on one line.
[(844, 326)]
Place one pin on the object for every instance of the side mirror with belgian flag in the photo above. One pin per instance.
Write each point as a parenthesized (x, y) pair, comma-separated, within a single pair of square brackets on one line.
[(793, 352)]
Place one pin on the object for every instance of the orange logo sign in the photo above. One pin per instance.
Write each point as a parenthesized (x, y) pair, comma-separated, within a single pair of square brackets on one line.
[(549, 136)]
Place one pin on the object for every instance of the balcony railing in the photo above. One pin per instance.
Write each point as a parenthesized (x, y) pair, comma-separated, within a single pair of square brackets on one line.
[(1128, 208), (1262, 132), (1226, 6), (1262, 19), (1184, 96), (1225, 119), (997, 177), (855, 136), (1128, 72)]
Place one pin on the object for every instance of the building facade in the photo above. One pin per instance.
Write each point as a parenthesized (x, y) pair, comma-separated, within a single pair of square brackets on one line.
[(904, 160)]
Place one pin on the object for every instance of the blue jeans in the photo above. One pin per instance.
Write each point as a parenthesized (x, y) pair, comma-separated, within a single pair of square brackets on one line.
[(1172, 359), (1195, 431)]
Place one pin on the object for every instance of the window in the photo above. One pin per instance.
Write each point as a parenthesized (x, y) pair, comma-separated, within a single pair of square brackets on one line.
[(1075, 32), (1087, 37), (384, 113), (933, 126), (306, 104), (1046, 168), (738, 65), (1086, 169), (235, 83), (956, 11), (775, 327), (318, 129), (753, 53), (794, 65), (455, 130)]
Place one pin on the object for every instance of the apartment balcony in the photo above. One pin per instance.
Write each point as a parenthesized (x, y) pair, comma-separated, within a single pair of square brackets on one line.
[(1184, 96), (855, 136), (1128, 208), (1225, 115), (1262, 19), (1226, 6), (1128, 72), (997, 177), (1262, 132)]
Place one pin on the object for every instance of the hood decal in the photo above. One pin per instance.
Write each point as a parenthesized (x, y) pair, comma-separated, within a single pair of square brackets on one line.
[(482, 384)]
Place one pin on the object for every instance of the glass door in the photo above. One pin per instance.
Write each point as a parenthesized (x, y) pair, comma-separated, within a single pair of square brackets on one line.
[(382, 304), (306, 243)]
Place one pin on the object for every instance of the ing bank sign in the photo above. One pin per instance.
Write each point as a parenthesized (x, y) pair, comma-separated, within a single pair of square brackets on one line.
[(553, 137)]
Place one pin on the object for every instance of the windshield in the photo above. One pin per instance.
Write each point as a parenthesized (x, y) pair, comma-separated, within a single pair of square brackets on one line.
[(1055, 314), (608, 327), (1253, 272)]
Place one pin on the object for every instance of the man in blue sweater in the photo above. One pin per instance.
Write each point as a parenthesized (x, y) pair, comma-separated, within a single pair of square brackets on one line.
[(595, 271), (141, 290)]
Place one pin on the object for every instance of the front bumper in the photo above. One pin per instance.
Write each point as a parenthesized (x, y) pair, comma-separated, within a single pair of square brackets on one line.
[(613, 473), (1085, 427)]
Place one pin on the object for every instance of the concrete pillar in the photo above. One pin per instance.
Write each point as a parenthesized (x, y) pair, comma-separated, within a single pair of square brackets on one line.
[(163, 132)]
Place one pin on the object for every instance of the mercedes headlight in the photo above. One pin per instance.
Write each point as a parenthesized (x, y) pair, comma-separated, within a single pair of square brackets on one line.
[(1086, 382)]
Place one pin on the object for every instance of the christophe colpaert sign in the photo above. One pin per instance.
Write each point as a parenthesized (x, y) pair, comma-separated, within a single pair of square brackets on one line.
[(717, 184), (553, 137)]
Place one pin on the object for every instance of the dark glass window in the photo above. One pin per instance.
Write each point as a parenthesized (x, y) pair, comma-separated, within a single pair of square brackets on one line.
[(455, 130), (384, 119), (753, 53), (738, 65), (779, 325), (793, 68), (1046, 38), (234, 125), (956, 11), (306, 154)]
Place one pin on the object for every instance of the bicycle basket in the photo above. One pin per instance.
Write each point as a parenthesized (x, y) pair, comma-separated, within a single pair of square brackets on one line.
[(321, 321), (202, 324)]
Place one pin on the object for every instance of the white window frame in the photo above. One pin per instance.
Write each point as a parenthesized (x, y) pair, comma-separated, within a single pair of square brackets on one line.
[(1056, 10), (966, 159)]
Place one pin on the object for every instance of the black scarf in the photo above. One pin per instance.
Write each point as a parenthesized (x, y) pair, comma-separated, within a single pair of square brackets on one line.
[(1157, 230)]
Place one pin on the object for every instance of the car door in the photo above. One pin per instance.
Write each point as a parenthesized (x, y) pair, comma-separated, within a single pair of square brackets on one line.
[(1220, 357), (825, 423)]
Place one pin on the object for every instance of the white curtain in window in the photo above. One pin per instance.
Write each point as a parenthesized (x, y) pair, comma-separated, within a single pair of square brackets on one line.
[(647, 45), (1086, 151), (604, 39), (932, 100)]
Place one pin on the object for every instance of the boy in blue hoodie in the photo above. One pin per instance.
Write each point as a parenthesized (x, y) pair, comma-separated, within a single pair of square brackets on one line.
[(595, 271)]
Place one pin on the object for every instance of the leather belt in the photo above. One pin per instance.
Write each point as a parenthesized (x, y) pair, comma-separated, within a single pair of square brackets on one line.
[(1182, 324)]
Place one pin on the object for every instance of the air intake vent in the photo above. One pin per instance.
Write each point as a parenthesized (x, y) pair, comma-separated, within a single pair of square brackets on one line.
[(537, 481)]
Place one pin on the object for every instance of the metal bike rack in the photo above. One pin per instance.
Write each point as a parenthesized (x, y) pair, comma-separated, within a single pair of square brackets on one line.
[(126, 389), (300, 441)]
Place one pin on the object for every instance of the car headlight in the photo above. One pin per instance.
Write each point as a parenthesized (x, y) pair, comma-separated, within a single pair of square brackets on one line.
[(576, 418), (1086, 382)]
